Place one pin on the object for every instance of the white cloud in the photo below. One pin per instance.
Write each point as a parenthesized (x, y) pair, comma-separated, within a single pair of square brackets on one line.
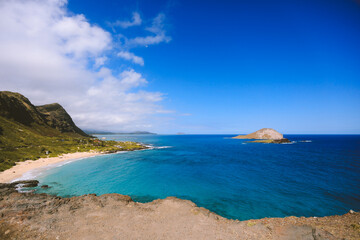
[(133, 106), (131, 57), (157, 24), (45, 54), (100, 61), (156, 28), (78, 37), (136, 21)]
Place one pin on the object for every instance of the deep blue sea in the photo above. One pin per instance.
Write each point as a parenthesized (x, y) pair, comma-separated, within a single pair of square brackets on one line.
[(233, 178)]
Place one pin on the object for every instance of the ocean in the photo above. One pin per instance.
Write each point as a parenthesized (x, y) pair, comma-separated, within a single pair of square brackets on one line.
[(316, 175)]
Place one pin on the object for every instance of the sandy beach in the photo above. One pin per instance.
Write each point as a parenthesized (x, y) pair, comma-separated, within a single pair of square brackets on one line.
[(22, 167)]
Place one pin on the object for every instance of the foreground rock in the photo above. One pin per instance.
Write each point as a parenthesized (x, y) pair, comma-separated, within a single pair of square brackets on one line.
[(115, 216), (264, 133)]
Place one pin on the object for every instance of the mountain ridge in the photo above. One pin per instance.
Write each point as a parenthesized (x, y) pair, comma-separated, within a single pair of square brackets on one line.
[(18, 108), (57, 117)]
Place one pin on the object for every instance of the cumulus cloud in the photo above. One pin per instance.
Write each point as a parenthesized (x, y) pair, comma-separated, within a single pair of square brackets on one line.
[(131, 57), (100, 61), (157, 28), (51, 55), (136, 20)]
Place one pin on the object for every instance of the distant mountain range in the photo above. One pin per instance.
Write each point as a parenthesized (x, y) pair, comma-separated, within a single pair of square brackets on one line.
[(90, 132)]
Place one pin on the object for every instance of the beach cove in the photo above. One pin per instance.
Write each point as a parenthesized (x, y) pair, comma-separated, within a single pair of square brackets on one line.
[(17, 171)]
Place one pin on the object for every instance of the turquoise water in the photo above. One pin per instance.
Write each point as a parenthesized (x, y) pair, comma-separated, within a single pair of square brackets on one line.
[(228, 176)]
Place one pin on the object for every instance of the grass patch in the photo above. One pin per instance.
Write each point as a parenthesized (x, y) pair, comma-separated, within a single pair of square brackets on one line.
[(250, 224)]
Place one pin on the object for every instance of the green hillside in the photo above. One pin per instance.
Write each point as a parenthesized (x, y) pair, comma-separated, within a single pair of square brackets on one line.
[(29, 132)]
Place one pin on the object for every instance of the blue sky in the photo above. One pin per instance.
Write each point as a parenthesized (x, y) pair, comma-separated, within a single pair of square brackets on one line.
[(235, 66)]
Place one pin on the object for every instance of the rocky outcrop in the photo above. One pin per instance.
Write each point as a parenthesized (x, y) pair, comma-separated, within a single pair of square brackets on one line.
[(264, 133), (115, 216), (6, 188), (283, 140)]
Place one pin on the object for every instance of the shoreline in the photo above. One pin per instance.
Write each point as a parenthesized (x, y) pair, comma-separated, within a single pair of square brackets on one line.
[(177, 212), (22, 168), (114, 216)]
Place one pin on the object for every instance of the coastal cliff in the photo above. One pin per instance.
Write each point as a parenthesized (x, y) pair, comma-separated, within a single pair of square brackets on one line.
[(116, 216)]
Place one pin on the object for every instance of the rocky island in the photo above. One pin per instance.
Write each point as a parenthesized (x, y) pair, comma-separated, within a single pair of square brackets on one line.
[(265, 135)]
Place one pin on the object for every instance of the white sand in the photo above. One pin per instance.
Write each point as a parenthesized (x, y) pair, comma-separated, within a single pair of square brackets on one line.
[(22, 167)]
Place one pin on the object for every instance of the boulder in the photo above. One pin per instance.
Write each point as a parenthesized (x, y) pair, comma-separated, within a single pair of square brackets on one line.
[(26, 183)]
